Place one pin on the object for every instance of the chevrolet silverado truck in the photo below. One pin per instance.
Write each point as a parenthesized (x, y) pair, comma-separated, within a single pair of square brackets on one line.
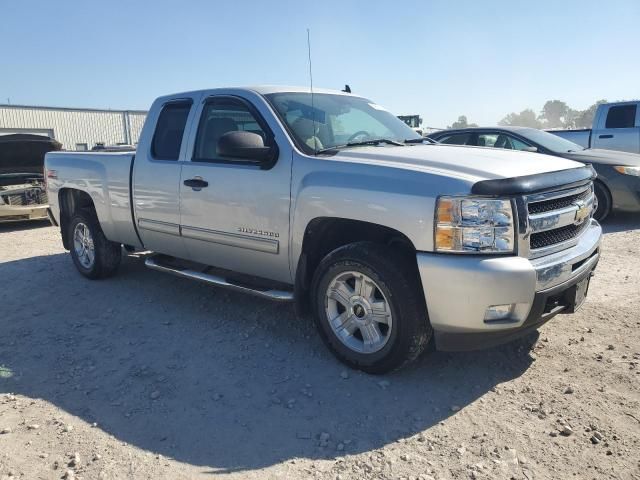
[(327, 200), (616, 126)]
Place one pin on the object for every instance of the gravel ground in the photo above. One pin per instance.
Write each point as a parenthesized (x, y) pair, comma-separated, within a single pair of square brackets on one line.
[(148, 376)]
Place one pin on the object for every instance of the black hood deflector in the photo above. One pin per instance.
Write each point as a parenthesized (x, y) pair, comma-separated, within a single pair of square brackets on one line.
[(537, 183)]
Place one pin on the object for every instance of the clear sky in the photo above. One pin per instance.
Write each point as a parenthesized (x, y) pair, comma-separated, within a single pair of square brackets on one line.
[(439, 59)]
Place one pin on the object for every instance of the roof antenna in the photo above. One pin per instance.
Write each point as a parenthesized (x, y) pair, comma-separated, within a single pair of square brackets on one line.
[(313, 110), (347, 89)]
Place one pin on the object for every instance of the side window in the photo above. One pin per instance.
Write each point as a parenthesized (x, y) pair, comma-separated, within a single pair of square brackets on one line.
[(488, 139), (622, 116), (458, 139), (220, 116), (518, 144), (167, 138)]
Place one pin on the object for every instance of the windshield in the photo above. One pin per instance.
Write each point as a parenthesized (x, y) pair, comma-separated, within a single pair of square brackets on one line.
[(550, 141), (336, 120)]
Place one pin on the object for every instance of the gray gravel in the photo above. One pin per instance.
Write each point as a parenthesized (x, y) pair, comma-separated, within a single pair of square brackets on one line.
[(148, 376)]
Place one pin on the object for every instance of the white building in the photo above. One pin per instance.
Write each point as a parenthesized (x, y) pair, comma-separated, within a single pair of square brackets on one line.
[(75, 128)]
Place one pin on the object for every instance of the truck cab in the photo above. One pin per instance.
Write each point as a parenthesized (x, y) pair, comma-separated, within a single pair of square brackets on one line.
[(616, 126)]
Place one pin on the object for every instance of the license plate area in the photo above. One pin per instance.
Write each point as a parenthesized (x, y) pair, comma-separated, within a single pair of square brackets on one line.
[(577, 294)]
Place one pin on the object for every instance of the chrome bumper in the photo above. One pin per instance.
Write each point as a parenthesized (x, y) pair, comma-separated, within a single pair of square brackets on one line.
[(558, 268), (16, 213), (458, 289)]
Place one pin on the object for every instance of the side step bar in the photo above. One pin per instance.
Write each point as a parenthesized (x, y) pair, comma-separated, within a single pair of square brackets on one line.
[(277, 295)]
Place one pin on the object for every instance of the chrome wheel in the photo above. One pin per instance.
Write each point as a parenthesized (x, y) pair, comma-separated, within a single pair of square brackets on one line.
[(358, 312), (83, 245)]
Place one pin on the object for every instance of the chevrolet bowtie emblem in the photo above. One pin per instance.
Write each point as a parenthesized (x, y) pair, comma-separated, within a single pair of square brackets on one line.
[(583, 212)]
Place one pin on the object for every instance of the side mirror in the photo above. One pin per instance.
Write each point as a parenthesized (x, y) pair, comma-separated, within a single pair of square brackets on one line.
[(531, 149), (243, 145)]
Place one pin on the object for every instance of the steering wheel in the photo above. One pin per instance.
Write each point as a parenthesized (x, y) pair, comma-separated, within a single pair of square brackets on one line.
[(359, 133)]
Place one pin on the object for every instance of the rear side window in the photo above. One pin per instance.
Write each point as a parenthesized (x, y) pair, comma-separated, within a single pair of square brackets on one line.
[(458, 139), (167, 138), (622, 116)]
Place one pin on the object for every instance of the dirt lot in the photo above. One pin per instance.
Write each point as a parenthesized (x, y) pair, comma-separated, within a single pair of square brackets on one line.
[(148, 376)]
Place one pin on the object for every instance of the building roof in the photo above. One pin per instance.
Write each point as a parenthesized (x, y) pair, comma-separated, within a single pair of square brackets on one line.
[(69, 109)]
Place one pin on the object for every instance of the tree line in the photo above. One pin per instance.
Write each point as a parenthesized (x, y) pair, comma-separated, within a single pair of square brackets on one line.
[(554, 114)]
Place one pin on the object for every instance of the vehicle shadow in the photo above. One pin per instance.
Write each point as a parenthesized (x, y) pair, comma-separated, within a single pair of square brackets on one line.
[(213, 378), (23, 225), (621, 222)]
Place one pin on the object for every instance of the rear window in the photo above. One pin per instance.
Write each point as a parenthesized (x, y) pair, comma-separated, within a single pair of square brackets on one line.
[(167, 138), (622, 116)]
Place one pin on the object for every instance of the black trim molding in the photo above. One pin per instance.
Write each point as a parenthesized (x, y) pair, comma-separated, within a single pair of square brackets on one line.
[(539, 182)]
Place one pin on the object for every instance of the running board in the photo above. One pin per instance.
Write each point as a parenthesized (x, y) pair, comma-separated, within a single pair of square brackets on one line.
[(277, 295)]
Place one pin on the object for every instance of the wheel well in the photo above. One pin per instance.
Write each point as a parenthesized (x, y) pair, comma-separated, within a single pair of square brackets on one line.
[(604, 186), (323, 235), (72, 201)]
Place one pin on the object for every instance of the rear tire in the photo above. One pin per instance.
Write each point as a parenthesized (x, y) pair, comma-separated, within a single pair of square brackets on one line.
[(369, 308), (93, 255), (604, 201)]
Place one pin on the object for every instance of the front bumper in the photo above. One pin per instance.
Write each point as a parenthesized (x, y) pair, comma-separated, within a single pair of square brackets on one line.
[(458, 290), (625, 192), (13, 213)]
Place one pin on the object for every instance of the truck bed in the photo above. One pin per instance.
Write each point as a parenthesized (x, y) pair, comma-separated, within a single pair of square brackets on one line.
[(106, 177), (582, 137)]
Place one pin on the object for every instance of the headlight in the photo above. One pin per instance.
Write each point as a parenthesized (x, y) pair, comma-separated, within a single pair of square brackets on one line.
[(635, 171), (474, 225)]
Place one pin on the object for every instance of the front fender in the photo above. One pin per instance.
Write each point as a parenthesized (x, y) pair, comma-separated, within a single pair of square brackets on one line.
[(400, 200)]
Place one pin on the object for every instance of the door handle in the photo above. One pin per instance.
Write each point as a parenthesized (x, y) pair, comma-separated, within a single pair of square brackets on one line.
[(196, 183), (605, 136)]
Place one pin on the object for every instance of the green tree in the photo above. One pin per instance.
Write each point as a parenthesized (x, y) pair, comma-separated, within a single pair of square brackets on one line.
[(526, 118), (555, 114), (462, 123)]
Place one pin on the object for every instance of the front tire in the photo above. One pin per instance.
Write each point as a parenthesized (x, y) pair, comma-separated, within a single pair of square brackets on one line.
[(604, 201), (93, 255), (369, 307)]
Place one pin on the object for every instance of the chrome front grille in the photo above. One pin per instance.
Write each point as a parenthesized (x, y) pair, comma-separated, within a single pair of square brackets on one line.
[(555, 236), (544, 206), (556, 220)]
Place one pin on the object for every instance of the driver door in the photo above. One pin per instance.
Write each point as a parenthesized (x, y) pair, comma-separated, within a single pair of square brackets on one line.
[(235, 213)]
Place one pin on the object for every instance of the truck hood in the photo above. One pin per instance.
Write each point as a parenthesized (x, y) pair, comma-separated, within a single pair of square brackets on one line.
[(469, 163), (605, 157), (22, 153)]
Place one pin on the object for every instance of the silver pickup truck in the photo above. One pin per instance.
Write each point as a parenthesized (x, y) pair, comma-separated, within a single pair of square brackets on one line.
[(616, 126), (328, 200)]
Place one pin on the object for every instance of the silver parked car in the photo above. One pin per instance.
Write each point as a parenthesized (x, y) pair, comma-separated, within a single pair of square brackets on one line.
[(617, 186)]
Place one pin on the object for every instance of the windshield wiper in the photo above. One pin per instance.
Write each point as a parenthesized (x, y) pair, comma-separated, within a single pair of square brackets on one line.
[(375, 141), (372, 141)]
